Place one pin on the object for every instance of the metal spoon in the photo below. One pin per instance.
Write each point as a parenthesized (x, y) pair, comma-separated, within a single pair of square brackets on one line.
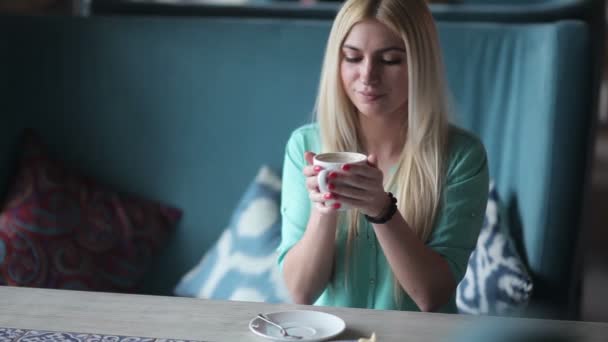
[(281, 329)]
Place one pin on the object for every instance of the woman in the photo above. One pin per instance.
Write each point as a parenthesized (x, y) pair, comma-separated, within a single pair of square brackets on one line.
[(382, 93)]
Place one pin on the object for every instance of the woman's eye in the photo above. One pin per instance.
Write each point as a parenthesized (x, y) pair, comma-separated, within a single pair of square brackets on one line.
[(391, 61), (351, 59)]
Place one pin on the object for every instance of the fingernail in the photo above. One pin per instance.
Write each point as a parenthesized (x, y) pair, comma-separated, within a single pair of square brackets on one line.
[(337, 205), (328, 196), (333, 175), (317, 168), (331, 186), (345, 167)]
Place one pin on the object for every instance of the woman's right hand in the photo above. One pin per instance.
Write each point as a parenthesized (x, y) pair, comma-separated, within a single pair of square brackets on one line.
[(311, 171)]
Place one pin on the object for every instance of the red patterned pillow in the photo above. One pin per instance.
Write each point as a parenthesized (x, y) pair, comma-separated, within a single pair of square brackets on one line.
[(59, 229)]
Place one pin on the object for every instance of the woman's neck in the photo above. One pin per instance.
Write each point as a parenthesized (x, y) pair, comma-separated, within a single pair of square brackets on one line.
[(383, 138)]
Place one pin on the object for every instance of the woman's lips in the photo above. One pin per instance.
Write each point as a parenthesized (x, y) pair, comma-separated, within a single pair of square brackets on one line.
[(370, 97)]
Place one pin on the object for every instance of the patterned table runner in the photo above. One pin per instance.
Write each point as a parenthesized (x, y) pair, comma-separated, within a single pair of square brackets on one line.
[(26, 335)]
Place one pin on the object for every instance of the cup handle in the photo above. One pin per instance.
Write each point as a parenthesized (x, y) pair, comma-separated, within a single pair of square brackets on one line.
[(322, 179)]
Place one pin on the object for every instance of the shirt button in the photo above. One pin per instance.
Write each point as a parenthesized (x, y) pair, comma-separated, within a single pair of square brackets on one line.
[(371, 281)]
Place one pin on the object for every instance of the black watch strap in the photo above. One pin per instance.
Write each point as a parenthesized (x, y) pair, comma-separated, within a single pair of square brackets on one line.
[(387, 214)]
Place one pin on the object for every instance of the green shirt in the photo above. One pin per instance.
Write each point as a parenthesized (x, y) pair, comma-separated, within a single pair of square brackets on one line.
[(370, 280)]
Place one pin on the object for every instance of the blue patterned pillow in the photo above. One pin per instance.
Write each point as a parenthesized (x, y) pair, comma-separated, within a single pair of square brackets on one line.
[(496, 281), (242, 264)]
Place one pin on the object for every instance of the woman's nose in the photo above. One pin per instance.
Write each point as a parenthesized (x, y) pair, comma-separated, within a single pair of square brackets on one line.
[(369, 73)]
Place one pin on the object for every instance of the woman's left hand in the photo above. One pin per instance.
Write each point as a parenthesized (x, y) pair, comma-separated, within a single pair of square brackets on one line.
[(360, 186)]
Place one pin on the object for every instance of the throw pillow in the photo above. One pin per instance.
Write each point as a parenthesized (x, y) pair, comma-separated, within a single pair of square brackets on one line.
[(60, 229), (242, 264), (496, 281)]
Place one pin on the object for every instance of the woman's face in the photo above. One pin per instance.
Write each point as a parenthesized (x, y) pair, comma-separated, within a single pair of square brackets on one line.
[(373, 70)]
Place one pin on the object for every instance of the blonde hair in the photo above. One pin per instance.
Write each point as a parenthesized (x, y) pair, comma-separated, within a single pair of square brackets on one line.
[(418, 179)]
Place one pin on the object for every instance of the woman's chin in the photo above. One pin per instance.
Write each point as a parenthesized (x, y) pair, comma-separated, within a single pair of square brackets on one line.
[(372, 111)]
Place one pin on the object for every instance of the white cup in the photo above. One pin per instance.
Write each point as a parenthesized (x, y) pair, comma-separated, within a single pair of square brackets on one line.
[(333, 161)]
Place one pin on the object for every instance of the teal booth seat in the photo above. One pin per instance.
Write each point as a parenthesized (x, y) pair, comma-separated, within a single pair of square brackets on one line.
[(186, 110)]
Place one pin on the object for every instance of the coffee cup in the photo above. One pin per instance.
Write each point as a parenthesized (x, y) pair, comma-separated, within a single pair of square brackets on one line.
[(333, 162)]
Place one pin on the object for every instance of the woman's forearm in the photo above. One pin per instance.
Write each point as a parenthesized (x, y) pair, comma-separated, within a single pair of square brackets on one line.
[(308, 264), (422, 273)]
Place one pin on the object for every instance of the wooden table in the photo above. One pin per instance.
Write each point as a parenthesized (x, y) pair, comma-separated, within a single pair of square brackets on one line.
[(207, 320)]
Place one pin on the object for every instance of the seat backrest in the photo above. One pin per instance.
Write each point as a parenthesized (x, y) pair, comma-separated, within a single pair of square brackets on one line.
[(185, 110), (526, 90)]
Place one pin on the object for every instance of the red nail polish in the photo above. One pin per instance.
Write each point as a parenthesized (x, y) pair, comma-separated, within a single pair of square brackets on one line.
[(345, 167), (328, 196), (333, 175), (337, 205), (331, 186), (317, 168)]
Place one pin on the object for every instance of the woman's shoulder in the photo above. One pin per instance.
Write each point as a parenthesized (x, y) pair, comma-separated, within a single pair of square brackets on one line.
[(462, 139), (466, 154), (309, 131), (306, 137)]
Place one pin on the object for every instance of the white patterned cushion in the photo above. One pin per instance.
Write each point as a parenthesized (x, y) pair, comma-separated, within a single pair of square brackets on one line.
[(496, 281), (242, 264)]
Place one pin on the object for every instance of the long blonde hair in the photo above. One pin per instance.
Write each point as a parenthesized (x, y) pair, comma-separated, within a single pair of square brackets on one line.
[(418, 179)]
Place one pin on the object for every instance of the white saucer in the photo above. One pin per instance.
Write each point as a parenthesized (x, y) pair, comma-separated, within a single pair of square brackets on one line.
[(311, 325)]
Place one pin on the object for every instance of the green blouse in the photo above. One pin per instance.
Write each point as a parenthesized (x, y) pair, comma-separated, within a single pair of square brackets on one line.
[(369, 283)]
